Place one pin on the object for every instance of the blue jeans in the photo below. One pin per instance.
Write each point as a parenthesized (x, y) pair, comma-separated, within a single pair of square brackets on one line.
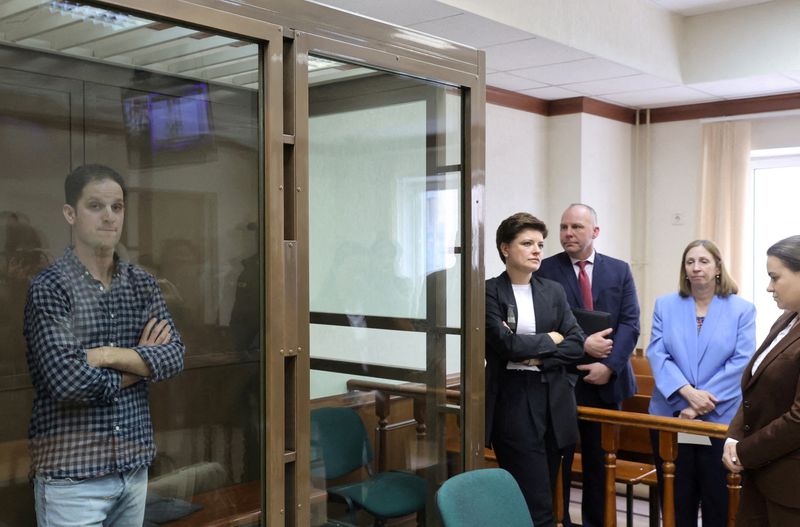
[(116, 499)]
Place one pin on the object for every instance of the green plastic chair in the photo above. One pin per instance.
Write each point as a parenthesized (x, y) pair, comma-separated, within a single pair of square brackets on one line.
[(480, 498), (340, 443)]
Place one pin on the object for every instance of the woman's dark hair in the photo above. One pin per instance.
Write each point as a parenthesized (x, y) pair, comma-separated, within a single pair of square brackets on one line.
[(513, 225), (725, 284), (85, 174), (788, 252)]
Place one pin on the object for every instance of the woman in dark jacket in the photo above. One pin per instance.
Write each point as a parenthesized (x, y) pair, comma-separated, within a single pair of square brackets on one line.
[(531, 336)]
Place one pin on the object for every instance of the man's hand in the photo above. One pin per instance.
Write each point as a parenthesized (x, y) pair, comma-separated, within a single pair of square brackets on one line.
[(701, 401), (730, 459), (557, 337), (598, 374), (155, 333), (597, 345)]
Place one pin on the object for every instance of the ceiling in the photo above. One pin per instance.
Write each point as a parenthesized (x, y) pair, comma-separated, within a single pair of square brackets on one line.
[(527, 63), (519, 60)]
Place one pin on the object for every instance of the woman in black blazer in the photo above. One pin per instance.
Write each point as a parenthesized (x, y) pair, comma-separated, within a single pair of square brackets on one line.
[(531, 336)]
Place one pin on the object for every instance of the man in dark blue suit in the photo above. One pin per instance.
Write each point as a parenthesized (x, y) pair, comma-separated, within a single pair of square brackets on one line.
[(606, 375)]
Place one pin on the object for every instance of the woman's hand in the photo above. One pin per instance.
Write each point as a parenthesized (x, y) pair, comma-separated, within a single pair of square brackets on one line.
[(557, 337), (688, 413), (701, 401), (730, 459)]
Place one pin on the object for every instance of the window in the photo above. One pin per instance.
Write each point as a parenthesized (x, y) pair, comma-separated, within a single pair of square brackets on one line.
[(774, 188)]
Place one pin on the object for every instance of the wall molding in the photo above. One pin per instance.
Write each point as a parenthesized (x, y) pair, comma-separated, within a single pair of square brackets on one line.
[(686, 112), (515, 100), (729, 108)]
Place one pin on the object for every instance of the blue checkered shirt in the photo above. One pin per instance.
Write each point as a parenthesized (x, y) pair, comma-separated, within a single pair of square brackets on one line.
[(83, 425)]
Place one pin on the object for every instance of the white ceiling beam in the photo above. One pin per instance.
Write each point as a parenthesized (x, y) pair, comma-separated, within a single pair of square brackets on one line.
[(137, 40), (37, 24), (194, 64), (82, 34), (242, 79), (176, 50), (16, 7), (246, 65)]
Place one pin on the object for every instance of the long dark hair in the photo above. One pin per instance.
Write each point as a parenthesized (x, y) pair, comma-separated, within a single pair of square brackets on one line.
[(788, 252)]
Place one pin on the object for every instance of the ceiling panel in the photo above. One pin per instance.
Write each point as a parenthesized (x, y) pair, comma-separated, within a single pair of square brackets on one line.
[(576, 71), (472, 30), (551, 93), (529, 53), (511, 82), (637, 82), (660, 97), (405, 13), (761, 85)]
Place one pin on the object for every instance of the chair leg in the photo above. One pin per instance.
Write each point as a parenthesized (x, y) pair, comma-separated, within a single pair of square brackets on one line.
[(629, 505), (654, 509)]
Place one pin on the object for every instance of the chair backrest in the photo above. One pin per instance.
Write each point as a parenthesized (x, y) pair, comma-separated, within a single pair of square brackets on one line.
[(338, 436), (483, 497)]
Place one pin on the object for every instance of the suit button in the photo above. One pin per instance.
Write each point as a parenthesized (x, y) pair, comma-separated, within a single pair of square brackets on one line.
[(746, 428), (747, 404)]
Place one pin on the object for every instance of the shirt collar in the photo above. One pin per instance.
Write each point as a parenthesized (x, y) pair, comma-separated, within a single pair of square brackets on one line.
[(76, 268), (590, 259)]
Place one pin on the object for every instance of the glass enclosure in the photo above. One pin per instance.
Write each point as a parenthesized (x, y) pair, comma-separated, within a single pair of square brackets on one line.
[(175, 110), (385, 193), (317, 244)]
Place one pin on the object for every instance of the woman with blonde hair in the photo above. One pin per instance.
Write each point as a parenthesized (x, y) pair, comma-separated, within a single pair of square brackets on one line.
[(701, 339)]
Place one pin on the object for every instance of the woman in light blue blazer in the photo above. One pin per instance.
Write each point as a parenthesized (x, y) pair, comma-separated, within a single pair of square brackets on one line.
[(702, 338)]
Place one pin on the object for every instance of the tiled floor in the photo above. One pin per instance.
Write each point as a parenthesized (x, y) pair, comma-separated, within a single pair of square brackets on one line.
[(641, 510)]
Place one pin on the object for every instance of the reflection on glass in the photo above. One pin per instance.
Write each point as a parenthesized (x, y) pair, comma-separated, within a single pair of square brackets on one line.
[(385, 184), (175, 111)]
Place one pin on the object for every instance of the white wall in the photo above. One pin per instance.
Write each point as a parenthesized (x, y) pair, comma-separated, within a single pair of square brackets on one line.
[(675, 161), (564, 165), (606, 179), (675, 164), (516, 172), (541, 164)]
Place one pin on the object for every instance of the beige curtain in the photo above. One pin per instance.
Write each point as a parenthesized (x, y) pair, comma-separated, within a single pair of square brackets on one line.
[(723, 187)]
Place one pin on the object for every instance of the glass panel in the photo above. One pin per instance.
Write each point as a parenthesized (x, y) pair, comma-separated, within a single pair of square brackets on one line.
[(385, 270), (175, 111)]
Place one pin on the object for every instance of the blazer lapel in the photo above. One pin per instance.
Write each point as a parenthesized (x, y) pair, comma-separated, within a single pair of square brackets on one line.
[(543, 311), (570, 278), (507, 297), (717, 310), (598, 275), (779, 348), (688, 317)]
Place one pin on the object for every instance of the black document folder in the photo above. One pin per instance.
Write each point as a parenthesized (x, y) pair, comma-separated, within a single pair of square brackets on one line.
[(592, 321)]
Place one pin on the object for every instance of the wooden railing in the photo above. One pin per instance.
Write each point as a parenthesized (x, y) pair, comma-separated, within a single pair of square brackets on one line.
[(668, 429), (383, 407), (610, 420)]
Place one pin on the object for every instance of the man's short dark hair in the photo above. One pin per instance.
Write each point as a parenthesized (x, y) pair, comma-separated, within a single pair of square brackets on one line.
[(513, 225), (85, 174)]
